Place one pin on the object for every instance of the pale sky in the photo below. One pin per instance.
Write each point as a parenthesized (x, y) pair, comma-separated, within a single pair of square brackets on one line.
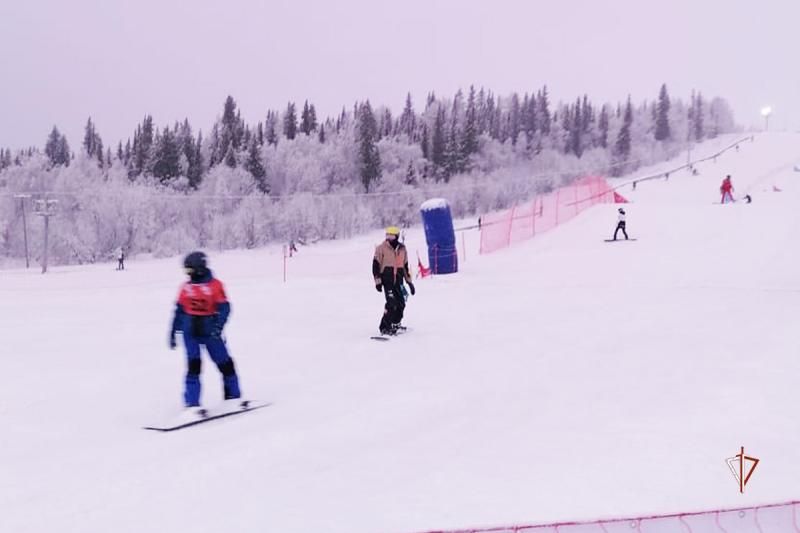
[(117, 60)]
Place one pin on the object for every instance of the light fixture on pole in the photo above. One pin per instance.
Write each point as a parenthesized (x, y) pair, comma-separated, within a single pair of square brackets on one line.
[(46, 209), (766, 112)]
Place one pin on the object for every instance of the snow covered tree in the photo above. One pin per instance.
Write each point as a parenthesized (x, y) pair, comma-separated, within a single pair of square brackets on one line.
[(424, 142), (321, 136), (230, 157), (142, 147), (603, 127), (308, 121), (544, 111), (57, 148), (195, 171), (411, 175), (438, 143), (529, 119), (368, 155), (255, 166), (99, 151), (663, 132), (408, 119), (166, 160), (514, 119), (271, 128), (469, 141), (698, 126), (89, 138), (720, 117), (622, 148), (290, 122)]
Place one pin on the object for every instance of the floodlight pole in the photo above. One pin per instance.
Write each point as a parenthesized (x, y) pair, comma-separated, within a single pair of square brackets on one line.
[(22, 198), (766, 112), (46, 210)]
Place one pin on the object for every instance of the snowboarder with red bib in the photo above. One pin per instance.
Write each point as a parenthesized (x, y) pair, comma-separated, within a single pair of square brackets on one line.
[(201, 313), (727, 190), (390, 270)]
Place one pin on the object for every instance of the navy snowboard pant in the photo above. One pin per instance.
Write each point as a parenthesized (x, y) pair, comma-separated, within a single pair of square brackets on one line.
[(219, 354), (621, 226)]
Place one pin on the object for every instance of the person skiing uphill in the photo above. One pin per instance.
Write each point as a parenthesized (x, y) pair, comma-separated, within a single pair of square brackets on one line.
[(727, 190), (621, 224), (390, 270), (201, 312)]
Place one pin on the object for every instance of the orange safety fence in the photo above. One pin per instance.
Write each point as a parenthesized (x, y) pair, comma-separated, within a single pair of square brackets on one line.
[(504, 228)]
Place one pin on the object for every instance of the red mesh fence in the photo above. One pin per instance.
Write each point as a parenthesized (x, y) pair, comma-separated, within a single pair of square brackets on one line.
[(544, 212), (771, 518)]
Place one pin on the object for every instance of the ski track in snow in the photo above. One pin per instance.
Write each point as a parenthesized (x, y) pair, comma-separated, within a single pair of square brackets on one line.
[(561, 379)]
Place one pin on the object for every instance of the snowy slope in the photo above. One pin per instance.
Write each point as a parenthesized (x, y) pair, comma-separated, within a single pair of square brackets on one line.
[(565, 378)]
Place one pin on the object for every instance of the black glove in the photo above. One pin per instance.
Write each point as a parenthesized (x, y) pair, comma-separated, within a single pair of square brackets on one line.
[(172, 343), (379, 287), (412, 289)]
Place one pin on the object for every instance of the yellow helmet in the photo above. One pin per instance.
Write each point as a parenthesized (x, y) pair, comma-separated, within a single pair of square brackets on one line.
[(392, 230)]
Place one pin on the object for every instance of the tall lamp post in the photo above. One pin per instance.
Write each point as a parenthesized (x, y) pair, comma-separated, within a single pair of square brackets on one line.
[(22, 198), (766, 112), (46, 209)]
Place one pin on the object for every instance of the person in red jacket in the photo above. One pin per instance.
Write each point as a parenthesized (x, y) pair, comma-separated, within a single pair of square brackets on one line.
[(201, 313), (727, 190)]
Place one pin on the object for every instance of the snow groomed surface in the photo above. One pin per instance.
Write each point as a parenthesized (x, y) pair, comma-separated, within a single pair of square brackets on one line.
[(562, 379)]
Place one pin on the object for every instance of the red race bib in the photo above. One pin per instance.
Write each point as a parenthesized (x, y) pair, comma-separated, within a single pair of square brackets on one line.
[(201, 299)]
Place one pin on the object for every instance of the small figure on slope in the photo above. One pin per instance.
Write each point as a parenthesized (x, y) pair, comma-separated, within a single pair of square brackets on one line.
[(390, 270), (120, 259), (727, 190), (201, 313), (620, 224)]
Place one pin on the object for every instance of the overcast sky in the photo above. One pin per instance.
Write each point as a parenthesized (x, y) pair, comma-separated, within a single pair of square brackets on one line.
[(117, 60)]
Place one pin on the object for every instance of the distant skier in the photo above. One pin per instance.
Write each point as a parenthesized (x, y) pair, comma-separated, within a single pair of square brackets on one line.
[(120, 259), (390, 270), (620, 224), (201, 313), (727, 190)]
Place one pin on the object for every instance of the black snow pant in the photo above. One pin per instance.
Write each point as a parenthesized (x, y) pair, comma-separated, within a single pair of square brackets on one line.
[(393, 310), (621, 226)]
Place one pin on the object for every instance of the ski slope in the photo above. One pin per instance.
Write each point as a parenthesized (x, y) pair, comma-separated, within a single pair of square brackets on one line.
[(564, 378)]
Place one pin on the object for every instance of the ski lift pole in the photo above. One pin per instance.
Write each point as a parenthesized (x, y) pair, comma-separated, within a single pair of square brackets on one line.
[(22, 198), (46, 209)]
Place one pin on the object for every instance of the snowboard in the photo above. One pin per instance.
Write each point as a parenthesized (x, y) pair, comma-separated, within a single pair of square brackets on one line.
[(402, 330), (619, 240), (202, 415)]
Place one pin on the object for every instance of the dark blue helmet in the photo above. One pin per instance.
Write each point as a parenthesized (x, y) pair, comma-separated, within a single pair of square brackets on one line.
[(196, 264)]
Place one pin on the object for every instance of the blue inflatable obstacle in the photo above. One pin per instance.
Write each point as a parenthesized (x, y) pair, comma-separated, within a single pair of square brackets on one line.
[(441, 238)]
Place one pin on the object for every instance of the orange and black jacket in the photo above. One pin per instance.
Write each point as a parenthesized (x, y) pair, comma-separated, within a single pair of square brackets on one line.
[(390, 264)]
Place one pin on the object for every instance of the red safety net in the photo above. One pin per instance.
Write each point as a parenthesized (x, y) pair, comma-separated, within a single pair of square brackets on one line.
[(777, 518), (544, 212)]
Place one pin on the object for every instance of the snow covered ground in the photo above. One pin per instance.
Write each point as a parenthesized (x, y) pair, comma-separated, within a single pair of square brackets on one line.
[(564, 378)]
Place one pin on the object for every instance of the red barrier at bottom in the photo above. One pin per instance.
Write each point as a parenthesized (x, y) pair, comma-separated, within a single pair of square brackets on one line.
[(777, 518)]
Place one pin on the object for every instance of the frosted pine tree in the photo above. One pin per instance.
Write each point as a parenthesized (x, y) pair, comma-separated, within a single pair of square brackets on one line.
[(290, 122), (663, 132), (368, 156)]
